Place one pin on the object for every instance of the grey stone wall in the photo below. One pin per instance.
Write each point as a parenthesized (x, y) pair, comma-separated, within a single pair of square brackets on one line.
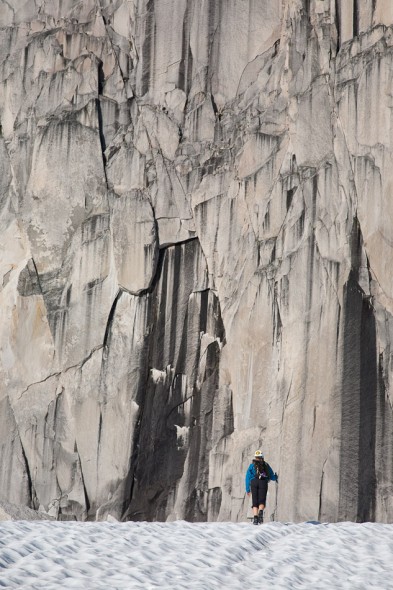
[(196, 235)]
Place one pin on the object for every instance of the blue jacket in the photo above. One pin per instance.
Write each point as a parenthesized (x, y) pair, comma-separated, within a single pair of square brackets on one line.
[(252, 474)]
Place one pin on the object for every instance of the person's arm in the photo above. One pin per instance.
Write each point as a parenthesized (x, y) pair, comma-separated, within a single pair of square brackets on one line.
[(272, 475), (249, 476)]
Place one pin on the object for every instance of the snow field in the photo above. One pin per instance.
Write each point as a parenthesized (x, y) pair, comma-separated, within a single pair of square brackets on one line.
[(202, 556)]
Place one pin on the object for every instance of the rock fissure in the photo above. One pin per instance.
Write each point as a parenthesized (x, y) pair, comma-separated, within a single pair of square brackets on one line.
[(111, 43), (111, 317), (38, 383)]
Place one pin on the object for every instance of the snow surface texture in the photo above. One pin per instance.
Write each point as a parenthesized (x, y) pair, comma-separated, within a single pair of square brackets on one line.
[(198, 556)]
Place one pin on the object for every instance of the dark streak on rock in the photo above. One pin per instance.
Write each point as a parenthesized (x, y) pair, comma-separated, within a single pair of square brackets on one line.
[(175, 300), (147, 48), (384, 430), (359, 397), (215, 108), (28, 281), (290, 194), (320, 496), (356, 16), (99, 433), (101, 78), (158, 459), (32, 494), (111, 316), (367, 427), (87, 501), (186, 64), (277, 323), (101, 130), (200, 435), (338, 25)]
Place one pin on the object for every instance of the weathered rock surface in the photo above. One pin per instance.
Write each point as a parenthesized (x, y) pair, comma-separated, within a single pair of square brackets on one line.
[(16, 512), (196, 235)]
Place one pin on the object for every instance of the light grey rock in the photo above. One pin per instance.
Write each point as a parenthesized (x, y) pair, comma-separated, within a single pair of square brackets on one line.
[(10, 511), (196, 232)]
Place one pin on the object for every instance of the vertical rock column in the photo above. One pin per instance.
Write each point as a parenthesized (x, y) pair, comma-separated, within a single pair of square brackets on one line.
[(174, 431)]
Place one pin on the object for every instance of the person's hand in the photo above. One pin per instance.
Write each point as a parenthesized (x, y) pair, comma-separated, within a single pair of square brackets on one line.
[(248, 493)]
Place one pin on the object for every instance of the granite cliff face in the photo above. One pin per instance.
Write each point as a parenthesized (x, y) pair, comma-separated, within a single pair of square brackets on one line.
[(196, 236)]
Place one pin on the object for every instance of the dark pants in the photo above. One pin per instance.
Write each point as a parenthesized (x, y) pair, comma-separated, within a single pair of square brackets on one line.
[(258, 491)]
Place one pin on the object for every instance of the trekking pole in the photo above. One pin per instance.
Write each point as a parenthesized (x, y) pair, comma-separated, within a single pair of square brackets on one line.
[(273, 516), (275, 504)]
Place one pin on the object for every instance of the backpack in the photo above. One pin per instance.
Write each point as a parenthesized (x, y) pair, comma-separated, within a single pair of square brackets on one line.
[(262, 470)]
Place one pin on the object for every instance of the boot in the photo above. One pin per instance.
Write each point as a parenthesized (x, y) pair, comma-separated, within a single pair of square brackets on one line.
[(256, 520), (260, 517)]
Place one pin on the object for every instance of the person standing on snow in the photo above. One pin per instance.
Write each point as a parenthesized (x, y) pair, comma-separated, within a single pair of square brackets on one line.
[(258, 475)]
